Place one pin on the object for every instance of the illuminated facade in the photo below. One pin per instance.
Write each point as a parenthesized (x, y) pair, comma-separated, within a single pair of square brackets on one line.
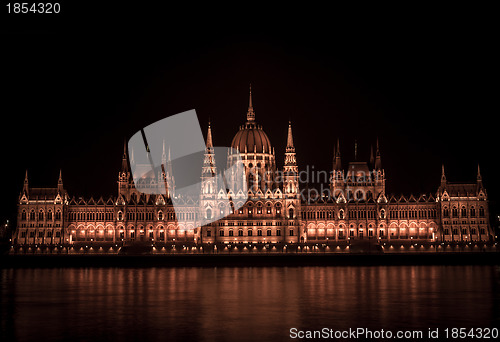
[(356, 208)]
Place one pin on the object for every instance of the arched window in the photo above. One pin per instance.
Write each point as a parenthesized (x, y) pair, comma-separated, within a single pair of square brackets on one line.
[(32, 215), (454, 212), (481, 211), (120, 216), (446, 212), (290, 213), (278, 209), (382, 213), (58, 214), (23, 215), (463, 212), (49, 215), (40, 215), (209, 213), (160, 215), (268, 205), (341, 214), (472, 212)]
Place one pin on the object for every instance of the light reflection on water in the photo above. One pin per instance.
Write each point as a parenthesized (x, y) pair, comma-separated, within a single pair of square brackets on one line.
[(254, 303)]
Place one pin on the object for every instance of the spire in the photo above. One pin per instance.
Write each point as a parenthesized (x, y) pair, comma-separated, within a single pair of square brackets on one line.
[(289, 141), (60, 182), (479, 177), (372, 160), (355, 149), (125, 158), (163, 154), (209, 137), (378, 160), (209, 169), (443, 176), (338, 164), (250, 112), (25, 186)]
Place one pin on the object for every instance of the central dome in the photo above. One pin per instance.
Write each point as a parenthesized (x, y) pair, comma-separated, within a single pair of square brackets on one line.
[(251, 137)]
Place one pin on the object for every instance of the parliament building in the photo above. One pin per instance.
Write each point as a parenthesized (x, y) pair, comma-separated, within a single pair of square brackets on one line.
[(271, 213)]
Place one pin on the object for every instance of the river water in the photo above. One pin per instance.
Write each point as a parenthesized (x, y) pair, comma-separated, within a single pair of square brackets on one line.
[(241, 304)]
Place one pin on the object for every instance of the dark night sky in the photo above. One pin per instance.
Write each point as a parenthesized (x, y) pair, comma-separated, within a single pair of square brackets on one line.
[(73, 91)]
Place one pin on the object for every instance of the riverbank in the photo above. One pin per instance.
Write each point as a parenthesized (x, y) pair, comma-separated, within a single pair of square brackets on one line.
[(245, 260)]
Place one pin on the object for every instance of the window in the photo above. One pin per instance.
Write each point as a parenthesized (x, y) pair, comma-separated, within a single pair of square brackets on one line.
[(151, 235), (160, 215), (40, 215), (446, 212), (23, 215), (40, 234), (32, 215), (455, 231), (290, 213), (23, 234), (221, 232), (209, 233), (472, 212), (446, 231), (269, 232), (231, 232), (351, 233), (58, 233), (49, 215), (481, 211), (250, 232), (120, 216), (162, 235), (370, 233), (341, 214), (483, 231), (463, 212), (382, 214), (259, 232), (209, 213), (132, 235), (464, 231), (240, 232), (454, 212), (290, 232), (278, 232), (122, 235)]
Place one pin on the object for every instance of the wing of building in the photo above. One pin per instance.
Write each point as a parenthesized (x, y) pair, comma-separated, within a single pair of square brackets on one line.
[(273, 209)]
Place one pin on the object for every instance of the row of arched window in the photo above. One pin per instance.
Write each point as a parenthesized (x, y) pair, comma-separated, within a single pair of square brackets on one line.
[(41, 215), (463, 212)]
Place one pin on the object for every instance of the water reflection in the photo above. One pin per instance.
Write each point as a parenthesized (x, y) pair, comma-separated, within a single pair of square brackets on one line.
[(241, 303)]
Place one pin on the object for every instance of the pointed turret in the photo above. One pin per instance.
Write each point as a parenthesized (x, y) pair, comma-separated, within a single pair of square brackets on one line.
[(26, 185), (60, 183), (290, 169), (125, 158), (378, 160), (479, 177), (443, 176), (338, 164), (209, 137), (289, 140), (209, 169), (290, 156), (250, 112)]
